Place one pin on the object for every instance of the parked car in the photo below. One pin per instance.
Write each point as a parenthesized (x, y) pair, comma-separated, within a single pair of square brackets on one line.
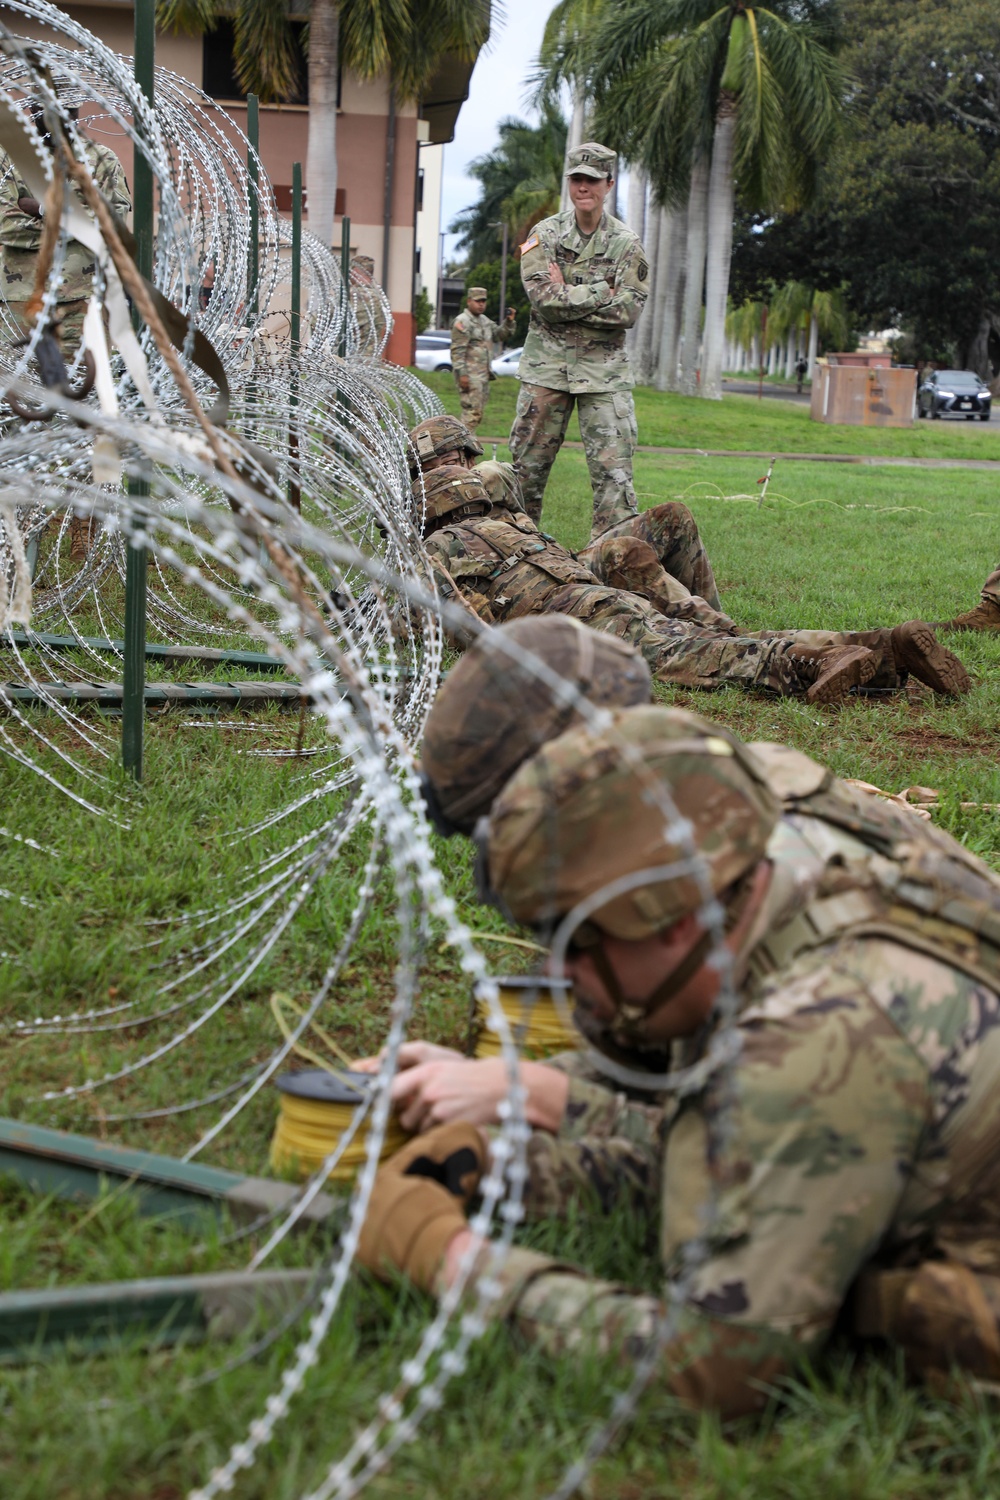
[(954, 393), (507, 363), (434, 350)]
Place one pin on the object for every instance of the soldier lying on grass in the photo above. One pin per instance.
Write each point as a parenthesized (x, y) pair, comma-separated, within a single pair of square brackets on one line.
[(860, 1135), (658, 554)]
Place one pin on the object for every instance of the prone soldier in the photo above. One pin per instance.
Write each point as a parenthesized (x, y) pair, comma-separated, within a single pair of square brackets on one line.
[(856, 1147), (472, 338), (660, 556), (490, 556)]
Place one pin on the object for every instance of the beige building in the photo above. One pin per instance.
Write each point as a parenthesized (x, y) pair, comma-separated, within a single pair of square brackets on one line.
[(377, 173)]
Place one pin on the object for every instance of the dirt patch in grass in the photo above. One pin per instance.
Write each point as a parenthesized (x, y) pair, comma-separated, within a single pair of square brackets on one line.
[(922, 737)]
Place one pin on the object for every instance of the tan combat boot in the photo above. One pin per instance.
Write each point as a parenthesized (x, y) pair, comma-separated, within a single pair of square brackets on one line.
[(917, 650), (830, 672), (985, 616)]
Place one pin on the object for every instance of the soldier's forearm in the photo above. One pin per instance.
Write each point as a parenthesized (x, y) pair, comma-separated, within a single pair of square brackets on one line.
[(558, 303), (621, 312)]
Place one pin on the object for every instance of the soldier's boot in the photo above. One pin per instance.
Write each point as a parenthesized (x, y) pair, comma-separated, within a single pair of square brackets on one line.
[(917, 650), (985, 616), (828, 673), (79, 538), (912, 649)]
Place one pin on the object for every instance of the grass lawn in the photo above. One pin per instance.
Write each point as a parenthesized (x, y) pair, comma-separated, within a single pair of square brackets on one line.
[(744, 422), (832, 546)]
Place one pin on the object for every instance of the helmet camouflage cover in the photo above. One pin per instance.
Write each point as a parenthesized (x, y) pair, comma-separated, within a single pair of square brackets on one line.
[(585, 811), (492, 711), (437, 435), (447, 490)]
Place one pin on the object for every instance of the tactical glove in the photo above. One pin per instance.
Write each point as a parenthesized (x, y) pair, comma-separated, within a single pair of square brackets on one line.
[(418, 1203), (453, 1156)]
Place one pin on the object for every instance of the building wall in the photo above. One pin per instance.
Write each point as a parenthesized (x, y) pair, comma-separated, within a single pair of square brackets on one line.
[(429, 220), (361, 155)]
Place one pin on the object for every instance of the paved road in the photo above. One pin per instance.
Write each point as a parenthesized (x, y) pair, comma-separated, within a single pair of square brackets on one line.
[(867, 460), (787, 393)]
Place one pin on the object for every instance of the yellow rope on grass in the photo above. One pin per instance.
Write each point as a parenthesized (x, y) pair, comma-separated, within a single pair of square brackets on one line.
[(308, 1129), (534, 1017)]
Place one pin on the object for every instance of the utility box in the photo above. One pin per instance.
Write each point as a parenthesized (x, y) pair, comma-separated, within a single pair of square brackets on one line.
[(865, 394)]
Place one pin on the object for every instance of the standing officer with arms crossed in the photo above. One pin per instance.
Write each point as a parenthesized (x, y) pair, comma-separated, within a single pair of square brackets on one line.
[(587, 277), (472, 335)]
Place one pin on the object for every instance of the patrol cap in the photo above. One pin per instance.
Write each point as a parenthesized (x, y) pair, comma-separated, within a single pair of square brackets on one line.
[(493, 712), (584, 812), (476, 294), (592, 160), (364, 263), (437, 435), (447, 490)]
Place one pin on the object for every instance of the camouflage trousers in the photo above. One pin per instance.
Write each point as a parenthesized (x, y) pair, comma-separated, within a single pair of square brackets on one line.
[(678, 652), (607, 1151), (70, 316), (607, 428), (660, 555), (474, 400), (991, 588)]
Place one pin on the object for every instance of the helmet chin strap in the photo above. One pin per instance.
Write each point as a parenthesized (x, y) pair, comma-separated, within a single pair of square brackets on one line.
[(631, 1017)]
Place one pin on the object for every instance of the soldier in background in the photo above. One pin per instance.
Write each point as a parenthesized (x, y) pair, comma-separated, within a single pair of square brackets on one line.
[(369, 306), (857, 1143), (586, 276), (472, 338), (20, 240)]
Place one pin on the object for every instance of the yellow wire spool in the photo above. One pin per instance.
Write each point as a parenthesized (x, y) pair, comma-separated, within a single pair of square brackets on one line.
[(317, 1107), (537, 1024)]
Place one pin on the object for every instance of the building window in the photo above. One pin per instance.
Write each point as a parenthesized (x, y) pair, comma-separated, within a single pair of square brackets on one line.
[(420, 190), (218, 65)]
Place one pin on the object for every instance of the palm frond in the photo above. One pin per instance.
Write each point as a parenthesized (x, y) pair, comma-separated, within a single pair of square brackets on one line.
[(191, 16), (266, 63)]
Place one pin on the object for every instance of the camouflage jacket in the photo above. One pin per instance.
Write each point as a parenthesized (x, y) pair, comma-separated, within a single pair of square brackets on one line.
[(21, 234), (864, 1117), (576, 338), (503, 560), (472, 339)]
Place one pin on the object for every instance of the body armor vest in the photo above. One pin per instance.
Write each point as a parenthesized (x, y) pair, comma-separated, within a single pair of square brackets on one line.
[(500, 545), (879, 871)]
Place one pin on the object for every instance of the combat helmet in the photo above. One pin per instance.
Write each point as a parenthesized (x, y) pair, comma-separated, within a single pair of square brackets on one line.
[(493, 710), (588, 810), (437, 435), (450, 492)]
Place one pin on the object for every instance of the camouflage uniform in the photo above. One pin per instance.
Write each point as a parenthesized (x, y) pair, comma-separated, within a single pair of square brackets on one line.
[(575, 353), (472, 338), (21, 236), (864, 1123), (370, 307), (503, 567), (608, 1149)]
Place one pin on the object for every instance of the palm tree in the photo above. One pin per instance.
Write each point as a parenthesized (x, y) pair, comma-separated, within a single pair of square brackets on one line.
[(564, 57), (404, 39), (519, 181), (754, 92)]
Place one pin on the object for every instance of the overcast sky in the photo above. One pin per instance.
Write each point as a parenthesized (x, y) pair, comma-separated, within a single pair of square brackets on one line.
[(499, 82)]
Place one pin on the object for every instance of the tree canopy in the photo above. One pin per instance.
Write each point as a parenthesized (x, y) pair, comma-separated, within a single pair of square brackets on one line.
[(907, 207), (520, 182)]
